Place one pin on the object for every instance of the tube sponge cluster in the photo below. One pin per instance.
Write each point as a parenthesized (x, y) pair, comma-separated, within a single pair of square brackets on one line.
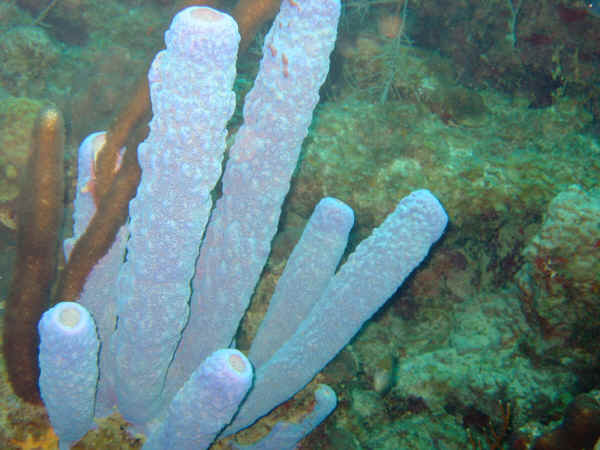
[(162, 361), (277, 112), (372, 273)]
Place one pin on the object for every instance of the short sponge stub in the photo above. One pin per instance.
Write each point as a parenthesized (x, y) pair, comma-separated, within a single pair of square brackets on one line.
[(326, 395), (68, 359), (206, 402)]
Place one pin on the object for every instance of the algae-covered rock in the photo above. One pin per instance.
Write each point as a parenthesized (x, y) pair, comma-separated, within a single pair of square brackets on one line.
[(26, 53), (560, 281)]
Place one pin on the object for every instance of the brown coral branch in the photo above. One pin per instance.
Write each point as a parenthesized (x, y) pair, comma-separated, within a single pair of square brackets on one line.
[(250, 15), (39, 222), (115, 185), (121, 128), (111, 213)]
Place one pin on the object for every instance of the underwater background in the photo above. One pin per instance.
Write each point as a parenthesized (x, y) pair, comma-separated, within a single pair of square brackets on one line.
[(492, 105)]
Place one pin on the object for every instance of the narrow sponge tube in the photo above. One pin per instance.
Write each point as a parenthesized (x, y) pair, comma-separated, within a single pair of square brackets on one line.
[(68, 357)]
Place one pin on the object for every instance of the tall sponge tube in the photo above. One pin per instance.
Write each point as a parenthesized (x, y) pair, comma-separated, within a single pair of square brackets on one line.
[(192, 100), (68, 360)]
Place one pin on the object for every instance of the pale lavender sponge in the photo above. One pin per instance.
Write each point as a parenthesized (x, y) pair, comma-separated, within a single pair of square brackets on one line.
[(205, 404), (192, 100), (286, 435), (99, 292), (84, 206), (68, 360), (372, 273), (277, 113), (308, 270), (175, 387)]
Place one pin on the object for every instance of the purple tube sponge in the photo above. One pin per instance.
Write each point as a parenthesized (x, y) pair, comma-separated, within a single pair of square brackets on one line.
[(307, 272), (192, 100), (68, 370), (372, 273), (277, 113), (205, 404), (286, 435)]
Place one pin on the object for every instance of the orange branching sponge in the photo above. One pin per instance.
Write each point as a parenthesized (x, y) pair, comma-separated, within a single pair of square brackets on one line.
[(39, 221)]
